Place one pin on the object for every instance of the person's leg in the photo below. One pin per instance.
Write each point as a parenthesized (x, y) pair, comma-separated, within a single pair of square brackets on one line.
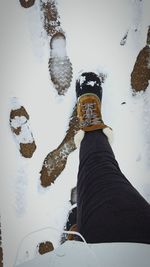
[(109, 208)]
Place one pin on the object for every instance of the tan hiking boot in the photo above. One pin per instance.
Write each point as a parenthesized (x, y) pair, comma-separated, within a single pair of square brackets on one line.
[(89, 112), (89, 96)]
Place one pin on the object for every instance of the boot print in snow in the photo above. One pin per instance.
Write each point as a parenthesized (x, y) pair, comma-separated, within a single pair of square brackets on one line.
[(20, 127), (55, 161), (60, 67), (140, 75), (50, 17)]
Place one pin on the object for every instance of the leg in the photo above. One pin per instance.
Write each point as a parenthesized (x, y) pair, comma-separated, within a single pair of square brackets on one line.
[(109, 208)]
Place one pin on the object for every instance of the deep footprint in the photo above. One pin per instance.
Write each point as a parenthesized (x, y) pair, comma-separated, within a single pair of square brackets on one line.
[(60, 67), (56, 160), (20, 127), (140, 75)]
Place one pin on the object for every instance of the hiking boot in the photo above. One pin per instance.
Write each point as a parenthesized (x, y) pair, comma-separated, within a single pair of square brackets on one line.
[(89, 95)]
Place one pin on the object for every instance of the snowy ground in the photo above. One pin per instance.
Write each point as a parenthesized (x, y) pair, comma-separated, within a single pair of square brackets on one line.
[(94, 30)]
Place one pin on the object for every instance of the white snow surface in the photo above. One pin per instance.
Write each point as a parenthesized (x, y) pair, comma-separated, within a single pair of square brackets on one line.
[(91, 83), (15, 103), (94, 30), (25, 135), (59, 47)]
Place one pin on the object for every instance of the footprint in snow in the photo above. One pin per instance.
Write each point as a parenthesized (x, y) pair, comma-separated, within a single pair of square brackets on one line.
[(20, 127)]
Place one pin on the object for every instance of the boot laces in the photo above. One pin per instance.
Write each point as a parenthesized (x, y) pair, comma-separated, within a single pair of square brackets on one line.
[(90, 116)]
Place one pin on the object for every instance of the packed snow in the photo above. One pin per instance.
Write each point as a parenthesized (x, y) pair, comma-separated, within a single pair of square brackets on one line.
[(59, 47), (94, 30), (91, 83), (25, 135)]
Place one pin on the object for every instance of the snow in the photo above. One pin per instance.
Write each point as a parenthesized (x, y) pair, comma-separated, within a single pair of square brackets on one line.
[(93, 30), (92, 255), (91, 83), (25, 135), (59, 47), (14, 103), (81, 79)]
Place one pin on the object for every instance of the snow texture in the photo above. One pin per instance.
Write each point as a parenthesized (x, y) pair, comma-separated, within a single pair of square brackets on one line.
[(93, 33), (25, 135)]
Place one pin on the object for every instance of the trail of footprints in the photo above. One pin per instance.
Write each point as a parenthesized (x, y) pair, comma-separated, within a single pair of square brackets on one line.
[(60, 70)]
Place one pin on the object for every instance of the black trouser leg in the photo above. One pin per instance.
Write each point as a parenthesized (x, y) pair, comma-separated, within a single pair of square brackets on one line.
[(109, 208)]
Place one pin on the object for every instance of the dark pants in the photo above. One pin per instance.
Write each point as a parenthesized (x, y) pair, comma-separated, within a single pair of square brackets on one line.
[(109, 208)]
